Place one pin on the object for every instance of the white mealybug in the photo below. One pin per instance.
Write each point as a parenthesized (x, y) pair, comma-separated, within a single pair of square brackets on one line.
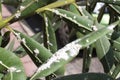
[(87, 40), (22, 8), (94, 28), (18, 14), (23, 40), (12, 69), (36, 51)]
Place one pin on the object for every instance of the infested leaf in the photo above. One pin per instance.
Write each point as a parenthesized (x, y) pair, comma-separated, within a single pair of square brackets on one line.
[(86, 76), (69, 52), (11, 61)]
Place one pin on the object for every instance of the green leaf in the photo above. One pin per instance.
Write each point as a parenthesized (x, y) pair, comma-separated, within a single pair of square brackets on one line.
[(117, 2), (105, 53), (87, 55), (11, 45), (5, 39), (26, 8), (86, 76), (43, 54), (58, 3), (1, 75), (36, 51), (49, 35), (20, 52), (67, 53), (81, 21), (116, 71), (0, 39), (117, 56), (116, 8), (74, 9), (0, 10), (12, 63), (12, 2)]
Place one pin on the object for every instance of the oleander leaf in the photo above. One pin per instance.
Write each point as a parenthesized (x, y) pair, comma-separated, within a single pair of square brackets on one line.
[(68, 52), (105, 53), (116, 71), (86, 76), (20, 52), (117, 2), (14, 66), (116, 8), (38, 53), (5, 39), (49, 35), (81, 21), (12, 2), (35, 50)]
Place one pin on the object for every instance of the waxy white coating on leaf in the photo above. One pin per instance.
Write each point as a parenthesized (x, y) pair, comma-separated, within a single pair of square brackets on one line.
[(23, 40), (94, 28), (67, 17), (74, 17), (41, 36), (66, 2), (54, 24), (18, 14), (1, 62), (18, 71), (87, 40), (17, 35), (66, 53), (12, 69), (22, 8), (111, 27), (46, 21), (36, 51), (48, 42)]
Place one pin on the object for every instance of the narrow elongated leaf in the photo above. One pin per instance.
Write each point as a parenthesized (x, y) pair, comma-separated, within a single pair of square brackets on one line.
[(36, 51), (87, 55), (116, 8), (74, 9), (67, 53), (14, 66), (11, 45), (50, 41), (86, 76), (117, 56), (0, 39), (50, 36), (27, 8), (0, 10), (84, 12), (116, 45), (117, 2), (81, 21), (34, 47), (5, 39), (20, 52), (105, 53), (12, 2), (1, 75), (58, 3), (116, 71)]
